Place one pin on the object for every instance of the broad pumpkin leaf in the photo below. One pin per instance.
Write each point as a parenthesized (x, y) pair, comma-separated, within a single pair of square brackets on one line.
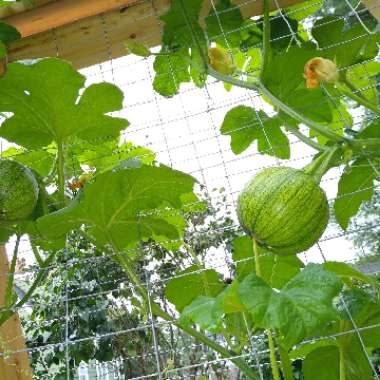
[(284, 78), (301, 351), (46, 105), (41, 161), (299, 310), (365, 309), (191, 283), (303, 10), (224, 25), (343, 43), (355, 187), (8, 33), (200, 312), (121, 207), (363, 77), (228, 301), (245, 125), (322, 364), (276, 270), (181, 58), (347, 273)]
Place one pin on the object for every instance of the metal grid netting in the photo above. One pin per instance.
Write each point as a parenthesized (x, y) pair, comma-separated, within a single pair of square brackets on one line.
[(183, 131)]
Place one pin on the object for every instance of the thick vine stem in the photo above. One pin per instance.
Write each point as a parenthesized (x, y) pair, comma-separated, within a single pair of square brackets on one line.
[(296, 132), (127, 265), (266, 39), (322, 164), (342, 367), (272, 348), (358, 99), (287, 370), (258, 86), (11, 274)]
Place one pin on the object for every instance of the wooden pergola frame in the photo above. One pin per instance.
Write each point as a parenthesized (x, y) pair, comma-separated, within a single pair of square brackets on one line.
[(87, 32)]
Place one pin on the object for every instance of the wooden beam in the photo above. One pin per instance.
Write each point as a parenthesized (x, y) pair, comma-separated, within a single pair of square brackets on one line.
[(59, 13), (94, 39), (374, 7), (13, 366)]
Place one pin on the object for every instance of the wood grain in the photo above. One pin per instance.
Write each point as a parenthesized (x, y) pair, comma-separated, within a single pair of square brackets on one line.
[(374, 7), (94, 39), (13, 366)]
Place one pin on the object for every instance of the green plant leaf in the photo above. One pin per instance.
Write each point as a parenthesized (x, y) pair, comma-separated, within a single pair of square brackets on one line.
[(245, 126), (190, 283), (3, 50), (304, 349), (40, 161), (300, 309), (342, 42), (322, 364), (46, 106), (122, 207), (200, 312), (347, 273), (183, 48), (134, 47), (363, 77), (355, 187), (303, 10), (8, 33), (289, 84), (228, 301), (276, 270), (229, 16)]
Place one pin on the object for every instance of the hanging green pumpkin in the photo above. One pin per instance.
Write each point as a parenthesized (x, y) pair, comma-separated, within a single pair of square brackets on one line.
[(18, 191), (284, 209)]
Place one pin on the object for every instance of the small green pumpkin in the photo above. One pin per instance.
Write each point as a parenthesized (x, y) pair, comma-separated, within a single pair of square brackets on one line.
[(18, 191), (284, 209)]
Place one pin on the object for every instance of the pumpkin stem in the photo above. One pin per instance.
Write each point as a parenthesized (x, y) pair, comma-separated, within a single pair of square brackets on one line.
[(321, 164)]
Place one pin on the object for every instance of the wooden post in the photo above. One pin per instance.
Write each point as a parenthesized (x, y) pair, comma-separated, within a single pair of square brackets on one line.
[(374, 7), (13, 366)]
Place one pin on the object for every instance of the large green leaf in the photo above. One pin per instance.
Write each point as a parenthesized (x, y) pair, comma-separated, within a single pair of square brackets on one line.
[(123, 206), (341, 42), (41, 161), (191, 283), (302, 307), (8, 33), (284, 78), (224, 25), (245, 125), (46, 106), (355, 187), (348, 273), (200, 312), (276, 270), (183, 48), (322, 364)]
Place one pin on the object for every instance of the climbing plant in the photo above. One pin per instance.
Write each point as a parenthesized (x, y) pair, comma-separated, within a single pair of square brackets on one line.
[(74, 183)]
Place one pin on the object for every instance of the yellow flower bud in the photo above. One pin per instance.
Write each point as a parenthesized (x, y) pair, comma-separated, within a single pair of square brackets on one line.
[(221, 61), (320, 70)]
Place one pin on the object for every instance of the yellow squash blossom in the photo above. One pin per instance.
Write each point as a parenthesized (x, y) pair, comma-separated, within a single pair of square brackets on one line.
[(221, 61), (320, 70)]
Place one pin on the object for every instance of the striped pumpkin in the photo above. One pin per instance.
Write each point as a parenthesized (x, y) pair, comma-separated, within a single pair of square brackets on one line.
[(284, 209), (18, 191)]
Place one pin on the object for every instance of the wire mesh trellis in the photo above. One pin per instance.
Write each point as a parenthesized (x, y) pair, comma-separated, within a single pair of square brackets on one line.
[(183, 131)]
